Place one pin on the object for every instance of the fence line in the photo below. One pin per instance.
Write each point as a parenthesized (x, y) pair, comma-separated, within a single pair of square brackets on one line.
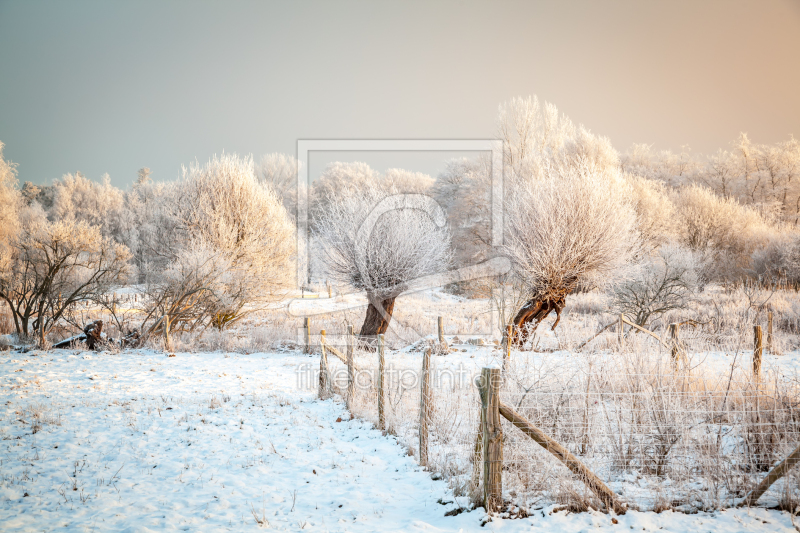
[(637, 416)]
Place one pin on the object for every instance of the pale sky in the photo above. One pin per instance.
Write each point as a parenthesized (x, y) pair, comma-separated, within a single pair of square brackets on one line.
[(97, 86)]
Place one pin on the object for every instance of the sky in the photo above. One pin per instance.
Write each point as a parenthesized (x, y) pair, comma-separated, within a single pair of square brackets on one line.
[(111, 87)]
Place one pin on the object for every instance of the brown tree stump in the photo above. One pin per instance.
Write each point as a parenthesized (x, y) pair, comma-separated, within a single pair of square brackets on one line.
[(93, 331)]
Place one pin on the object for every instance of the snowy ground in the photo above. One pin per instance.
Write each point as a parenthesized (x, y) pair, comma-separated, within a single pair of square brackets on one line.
[(139, 441)]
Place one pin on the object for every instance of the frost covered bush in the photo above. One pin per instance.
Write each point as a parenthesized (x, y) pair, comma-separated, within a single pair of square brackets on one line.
[(724, 231), (218, 244), (655, 212), (663, 282)]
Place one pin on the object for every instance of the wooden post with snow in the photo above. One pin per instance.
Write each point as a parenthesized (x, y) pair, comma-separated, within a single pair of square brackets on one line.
[(621, 330), (440, 329), (770, 338), (324, 376), (424, 407), (492, 439), (509, 336), (351, 376), (381, 367), (307, 335), (758, 351)]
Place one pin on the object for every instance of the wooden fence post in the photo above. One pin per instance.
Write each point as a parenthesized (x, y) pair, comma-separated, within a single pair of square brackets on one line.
[(381, 366), (324, 377), (424, 406), (329, 289), (621, 330), (674, 333), (758, 350), (440, 328), (492, 440), (351, 378), (770, 338), (509, 337), (307, 335)]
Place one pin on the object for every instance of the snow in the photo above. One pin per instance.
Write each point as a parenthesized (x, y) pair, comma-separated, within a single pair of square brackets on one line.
[(139, 441)]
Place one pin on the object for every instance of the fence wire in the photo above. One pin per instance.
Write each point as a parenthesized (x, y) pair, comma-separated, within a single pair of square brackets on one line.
[(660, 436)]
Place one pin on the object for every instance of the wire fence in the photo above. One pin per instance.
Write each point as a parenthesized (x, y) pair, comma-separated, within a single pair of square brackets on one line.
[(660, 438), (660, 435)]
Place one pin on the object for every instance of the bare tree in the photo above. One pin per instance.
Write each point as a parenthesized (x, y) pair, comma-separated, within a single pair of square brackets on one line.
[(573, 227), (660, 283), (56, 265), (378, 241)]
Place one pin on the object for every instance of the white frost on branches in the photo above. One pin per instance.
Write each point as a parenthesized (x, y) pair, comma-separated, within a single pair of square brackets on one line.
[(572, 227), (403, 244)]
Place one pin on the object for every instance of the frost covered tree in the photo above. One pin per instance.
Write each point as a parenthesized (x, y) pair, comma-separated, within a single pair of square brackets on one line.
[(656, 216), (378, 240), (725, 232), (143, 175), (572, 227), (279, 172), (217, 245), (55, 265), (336, 180), (531, 133), (76, 197), (10, 203), (223, 204), (674, 169), (464, 190)]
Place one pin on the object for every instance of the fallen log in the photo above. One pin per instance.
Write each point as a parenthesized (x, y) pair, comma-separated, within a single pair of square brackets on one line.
[(70, 342), (95, 339)]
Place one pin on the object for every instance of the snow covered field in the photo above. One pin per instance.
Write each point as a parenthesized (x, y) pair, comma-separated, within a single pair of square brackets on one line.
[(138, 441)]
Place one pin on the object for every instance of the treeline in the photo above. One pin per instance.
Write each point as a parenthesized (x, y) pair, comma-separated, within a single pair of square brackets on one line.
[(203, 250), (219, 242)]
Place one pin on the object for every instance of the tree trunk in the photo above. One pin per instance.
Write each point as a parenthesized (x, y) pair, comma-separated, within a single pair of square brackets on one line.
[(533, 312), (376, 322)]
